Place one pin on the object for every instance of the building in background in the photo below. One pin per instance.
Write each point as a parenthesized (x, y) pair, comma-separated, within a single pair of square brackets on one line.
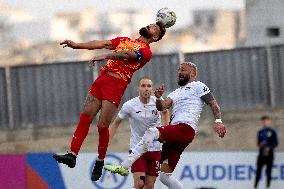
[(23, 26), (212, 29), (65, 25), (88, 25), (264, 22), (128, 21), (20, 31)]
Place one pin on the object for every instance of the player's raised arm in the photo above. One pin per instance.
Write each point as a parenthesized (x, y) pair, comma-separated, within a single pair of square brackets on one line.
[(139, 55), (114, 126), (91, 45), (160, 103), (212, 102)]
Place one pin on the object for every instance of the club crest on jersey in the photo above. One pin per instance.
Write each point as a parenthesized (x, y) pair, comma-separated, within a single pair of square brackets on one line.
[(155, 112)]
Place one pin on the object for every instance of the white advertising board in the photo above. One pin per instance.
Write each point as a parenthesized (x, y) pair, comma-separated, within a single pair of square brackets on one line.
[(219, 170)]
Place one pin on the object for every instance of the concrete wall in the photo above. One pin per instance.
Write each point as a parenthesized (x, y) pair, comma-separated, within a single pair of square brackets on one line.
[(260, 15)]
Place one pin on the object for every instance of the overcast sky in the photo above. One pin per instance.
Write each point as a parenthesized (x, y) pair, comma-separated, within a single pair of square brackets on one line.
[(44, 9)]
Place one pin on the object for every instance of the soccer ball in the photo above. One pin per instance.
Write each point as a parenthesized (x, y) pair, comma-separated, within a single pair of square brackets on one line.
[(167, 16)]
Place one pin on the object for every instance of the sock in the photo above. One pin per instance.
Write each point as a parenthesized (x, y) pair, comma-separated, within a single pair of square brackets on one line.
[(170, 181), (80, 133), (142, 147), (99, 159), (103, 141)]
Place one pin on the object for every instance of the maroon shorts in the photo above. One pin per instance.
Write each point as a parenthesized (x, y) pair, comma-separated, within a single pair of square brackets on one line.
[(107, 87), (148, 163), (177, 138)]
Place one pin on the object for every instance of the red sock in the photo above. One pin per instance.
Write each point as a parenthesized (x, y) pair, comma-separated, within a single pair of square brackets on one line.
[(80, 133), (103, 141)]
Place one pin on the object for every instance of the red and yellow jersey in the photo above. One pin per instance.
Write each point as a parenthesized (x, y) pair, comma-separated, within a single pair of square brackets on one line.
[(126, 68)]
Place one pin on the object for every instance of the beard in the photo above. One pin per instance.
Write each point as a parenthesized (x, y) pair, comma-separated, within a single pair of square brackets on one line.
[(145, 33), (184, 81)]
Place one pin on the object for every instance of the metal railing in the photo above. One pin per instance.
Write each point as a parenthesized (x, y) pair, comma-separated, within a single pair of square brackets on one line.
[(53, 94)]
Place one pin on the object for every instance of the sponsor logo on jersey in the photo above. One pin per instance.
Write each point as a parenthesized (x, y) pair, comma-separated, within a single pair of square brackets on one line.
[(137, 47), (187, 88), (205, 89)]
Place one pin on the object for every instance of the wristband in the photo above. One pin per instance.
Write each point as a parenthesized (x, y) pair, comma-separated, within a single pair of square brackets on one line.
[(160, 98), (218, 121), (138, 55)]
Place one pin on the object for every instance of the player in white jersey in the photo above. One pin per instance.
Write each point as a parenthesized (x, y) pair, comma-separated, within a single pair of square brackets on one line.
[(143, 114), (187, 102)]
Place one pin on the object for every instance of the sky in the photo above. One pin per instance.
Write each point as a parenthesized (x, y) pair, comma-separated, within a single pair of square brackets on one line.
[(44, 9)]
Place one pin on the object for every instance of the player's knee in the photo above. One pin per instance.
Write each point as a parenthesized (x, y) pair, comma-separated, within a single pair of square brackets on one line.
[(89, 113), (104, 125), (104, 122), (150, 135)]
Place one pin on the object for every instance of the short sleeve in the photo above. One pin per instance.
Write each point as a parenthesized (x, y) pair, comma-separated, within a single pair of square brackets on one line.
[(171, 95), (201, 89), (115, 42), (124, 111), (146, 54)]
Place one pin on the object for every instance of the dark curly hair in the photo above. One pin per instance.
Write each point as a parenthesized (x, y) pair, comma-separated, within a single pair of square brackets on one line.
[(162, 30)]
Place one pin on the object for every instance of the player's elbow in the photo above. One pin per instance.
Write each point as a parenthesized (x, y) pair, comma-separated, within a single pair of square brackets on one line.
[(107, 45), (129, 55), (100, 45), (116, 122), (160, 108)]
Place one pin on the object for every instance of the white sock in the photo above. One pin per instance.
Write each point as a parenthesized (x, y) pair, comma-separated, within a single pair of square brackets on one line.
[(170, 181), (142, 147)]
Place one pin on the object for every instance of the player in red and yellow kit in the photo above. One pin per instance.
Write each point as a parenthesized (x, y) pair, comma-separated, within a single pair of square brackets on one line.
[(107, 90)]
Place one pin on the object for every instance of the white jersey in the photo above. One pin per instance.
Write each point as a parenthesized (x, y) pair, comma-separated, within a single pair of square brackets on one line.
[(187, 103), (141, 117)]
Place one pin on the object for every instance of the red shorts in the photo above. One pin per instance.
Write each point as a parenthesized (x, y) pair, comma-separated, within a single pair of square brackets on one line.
[(148, 163), (107, 87), (177, 138)]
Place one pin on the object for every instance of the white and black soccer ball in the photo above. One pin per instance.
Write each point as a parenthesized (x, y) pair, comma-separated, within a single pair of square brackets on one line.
[(167, 16)]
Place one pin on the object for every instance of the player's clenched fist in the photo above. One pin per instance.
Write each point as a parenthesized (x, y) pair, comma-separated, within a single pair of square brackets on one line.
[(220, 129), (159, 91)]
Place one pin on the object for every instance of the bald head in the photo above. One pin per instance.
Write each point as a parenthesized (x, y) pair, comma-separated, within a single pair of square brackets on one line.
[(192, 66), (187, 73)]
